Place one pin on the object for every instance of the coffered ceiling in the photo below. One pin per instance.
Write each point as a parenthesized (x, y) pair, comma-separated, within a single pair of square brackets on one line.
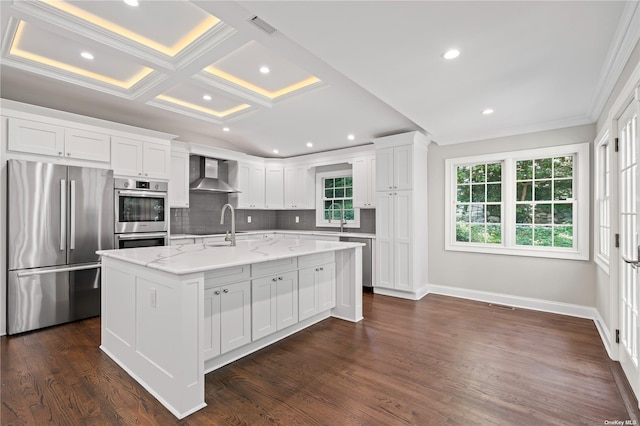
[(211, 73)]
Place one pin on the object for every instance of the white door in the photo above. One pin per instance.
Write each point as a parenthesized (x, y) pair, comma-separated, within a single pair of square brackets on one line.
[(629, 303)]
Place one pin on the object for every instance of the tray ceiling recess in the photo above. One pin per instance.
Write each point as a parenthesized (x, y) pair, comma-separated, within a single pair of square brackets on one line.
[(191, 66)]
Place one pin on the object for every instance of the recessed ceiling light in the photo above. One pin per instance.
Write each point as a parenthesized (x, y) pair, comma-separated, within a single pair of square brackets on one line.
[(225, 129), (487, 111), (133, 3), (275, 151), (309, 144), (206, 97), (86, 55), (351, 136), (451, 54), (264, 70)]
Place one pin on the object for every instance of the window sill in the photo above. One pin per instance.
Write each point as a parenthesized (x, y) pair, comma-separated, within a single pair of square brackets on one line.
[(527, 252)]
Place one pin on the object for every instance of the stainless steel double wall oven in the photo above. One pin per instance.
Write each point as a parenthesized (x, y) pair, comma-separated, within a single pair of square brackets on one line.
[(141, 213)]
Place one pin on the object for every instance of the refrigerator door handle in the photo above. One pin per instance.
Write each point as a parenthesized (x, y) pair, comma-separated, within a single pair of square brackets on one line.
[(72, 232), (63, 214), (44, 271)]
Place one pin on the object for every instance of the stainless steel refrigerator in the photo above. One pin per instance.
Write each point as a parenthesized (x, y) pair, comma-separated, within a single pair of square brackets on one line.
[(57, 217)]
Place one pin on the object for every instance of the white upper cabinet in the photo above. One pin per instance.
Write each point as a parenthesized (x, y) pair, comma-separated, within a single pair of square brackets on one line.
[(299, 188), (274, 187), (179, 182), (364, 182), (34, 137), (394, 168), (249, 180), (131, 157)]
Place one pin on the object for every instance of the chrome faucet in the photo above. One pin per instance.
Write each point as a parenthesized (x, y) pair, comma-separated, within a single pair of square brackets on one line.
[(342, 221), (231, 237)]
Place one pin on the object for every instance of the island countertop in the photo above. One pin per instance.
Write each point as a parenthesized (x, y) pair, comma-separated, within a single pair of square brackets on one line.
[(191, 258)]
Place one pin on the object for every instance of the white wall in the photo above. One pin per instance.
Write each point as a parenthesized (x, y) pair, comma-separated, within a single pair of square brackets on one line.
[(555, 280)]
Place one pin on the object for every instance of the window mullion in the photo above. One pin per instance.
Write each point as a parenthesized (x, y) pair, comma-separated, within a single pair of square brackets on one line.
[(509, 202)]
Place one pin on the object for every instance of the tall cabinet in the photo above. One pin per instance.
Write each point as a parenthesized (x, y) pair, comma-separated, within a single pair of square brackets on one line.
[(401, 215)]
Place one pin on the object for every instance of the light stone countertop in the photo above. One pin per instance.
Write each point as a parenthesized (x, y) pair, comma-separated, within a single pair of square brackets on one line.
[(279, 231), (190, 258)]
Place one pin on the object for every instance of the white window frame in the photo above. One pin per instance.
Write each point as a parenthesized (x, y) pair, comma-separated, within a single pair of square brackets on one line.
[(508, 159), (320, 221), (602, 200)]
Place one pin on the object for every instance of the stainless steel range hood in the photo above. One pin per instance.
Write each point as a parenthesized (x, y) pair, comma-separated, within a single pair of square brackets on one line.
[(208, 180)]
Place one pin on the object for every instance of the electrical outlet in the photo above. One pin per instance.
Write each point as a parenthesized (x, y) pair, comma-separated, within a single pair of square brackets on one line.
[(248, 219), (297, 219)]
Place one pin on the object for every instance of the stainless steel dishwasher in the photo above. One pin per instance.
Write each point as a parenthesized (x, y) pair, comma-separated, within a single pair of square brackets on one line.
[(367, 260)]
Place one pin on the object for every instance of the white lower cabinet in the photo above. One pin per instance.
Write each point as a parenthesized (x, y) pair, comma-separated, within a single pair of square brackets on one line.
[(227, 315), (316, 290), (274, 303)]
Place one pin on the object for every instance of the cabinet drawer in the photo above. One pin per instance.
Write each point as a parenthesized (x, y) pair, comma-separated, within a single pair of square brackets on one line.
[(317, 259), (219, 277), (274, 267)]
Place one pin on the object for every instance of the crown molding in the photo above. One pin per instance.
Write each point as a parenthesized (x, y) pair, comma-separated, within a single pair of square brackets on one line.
[(624, 41)]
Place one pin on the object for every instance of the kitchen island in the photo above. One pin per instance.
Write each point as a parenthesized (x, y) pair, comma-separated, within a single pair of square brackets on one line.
[(172, 314)]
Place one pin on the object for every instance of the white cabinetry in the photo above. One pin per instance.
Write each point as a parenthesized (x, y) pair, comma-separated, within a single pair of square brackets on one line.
[(401, 215), (394, 167), (249, 179), (316, 285), (179, 182), (364, 182), (299, 188), (274, 187), (227, 318), (34, 137), (131, 157), (274, 303)]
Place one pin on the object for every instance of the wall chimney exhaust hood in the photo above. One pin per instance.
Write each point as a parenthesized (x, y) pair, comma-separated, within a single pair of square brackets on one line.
[(208, 180)]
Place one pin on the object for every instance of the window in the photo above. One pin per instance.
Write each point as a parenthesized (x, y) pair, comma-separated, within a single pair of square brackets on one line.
[(335, 197), (479, 203), (520, 203), (603, 202)]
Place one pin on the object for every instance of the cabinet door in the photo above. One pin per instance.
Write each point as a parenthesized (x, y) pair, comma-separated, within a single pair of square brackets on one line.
[(384, 169), (274, 188), (371, 194), (263, 307), (256, 182), (403, 167), (403, 240), (212, 322), (307, 293), (326, 287), (241, 179), (156, 159), (179, 182), (287, 299), (384, 239), (83, 145), (126, 156), (35, 137), (290, 187), (235, 316)]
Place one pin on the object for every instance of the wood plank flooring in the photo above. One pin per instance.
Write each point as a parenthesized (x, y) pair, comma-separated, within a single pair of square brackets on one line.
[(438, 360)]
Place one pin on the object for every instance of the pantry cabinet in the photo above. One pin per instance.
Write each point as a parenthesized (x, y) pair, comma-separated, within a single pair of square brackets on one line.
[(401, 215)]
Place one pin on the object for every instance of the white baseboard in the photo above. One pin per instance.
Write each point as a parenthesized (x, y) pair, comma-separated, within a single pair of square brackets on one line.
[(569, 309), (605, 336), (411, 295)]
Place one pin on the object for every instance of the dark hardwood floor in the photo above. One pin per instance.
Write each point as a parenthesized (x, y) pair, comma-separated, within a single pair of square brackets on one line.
[(439, 360)]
